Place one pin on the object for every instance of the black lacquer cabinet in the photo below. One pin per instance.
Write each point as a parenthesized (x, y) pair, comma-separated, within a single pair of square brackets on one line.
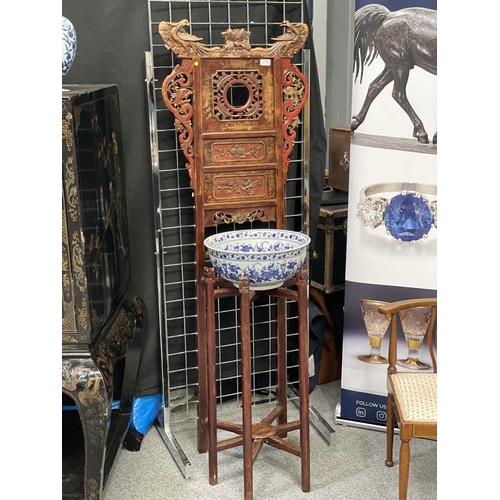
[(95, 237), (102, 324)]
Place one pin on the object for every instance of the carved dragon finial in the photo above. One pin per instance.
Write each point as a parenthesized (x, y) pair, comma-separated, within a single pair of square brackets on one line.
[(291, 41), (237, 42), (181, 43)]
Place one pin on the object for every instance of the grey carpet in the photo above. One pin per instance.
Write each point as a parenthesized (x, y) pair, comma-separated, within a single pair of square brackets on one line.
[(352, 467)]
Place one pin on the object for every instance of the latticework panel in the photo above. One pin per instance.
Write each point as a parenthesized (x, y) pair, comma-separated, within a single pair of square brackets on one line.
[(176, 219)]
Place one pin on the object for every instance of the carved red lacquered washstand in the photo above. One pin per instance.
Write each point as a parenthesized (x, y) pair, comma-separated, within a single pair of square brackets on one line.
[(236, 109)]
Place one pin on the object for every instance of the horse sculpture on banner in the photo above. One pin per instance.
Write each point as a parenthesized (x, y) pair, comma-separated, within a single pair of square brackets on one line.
[(404, 39)]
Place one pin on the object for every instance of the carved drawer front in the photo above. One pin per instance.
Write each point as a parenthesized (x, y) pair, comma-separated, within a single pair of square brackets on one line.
[(240, 151), (238, 95), (242, 186)]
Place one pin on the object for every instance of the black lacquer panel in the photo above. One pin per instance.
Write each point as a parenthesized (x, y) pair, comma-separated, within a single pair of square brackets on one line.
[(96, 258)]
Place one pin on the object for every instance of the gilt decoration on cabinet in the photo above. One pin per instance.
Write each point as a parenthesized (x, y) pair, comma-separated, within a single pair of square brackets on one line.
[(95, 217), (68, 309)]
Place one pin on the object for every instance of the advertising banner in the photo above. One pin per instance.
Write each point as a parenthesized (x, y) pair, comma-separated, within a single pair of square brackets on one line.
[(392, 209)]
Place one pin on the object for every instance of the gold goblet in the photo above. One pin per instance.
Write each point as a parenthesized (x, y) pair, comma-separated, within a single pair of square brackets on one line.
[(376, 325), (414, 322)]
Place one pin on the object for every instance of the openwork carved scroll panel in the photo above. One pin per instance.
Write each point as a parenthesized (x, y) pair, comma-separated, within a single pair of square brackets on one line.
[(239, 215), (176, 92), (295, 94), (237, 95)]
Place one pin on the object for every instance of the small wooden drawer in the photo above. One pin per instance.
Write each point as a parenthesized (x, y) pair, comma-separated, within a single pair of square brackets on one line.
[(239, 186)]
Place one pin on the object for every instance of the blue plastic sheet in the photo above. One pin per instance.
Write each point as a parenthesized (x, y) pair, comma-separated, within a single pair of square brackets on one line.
[(145, 410)]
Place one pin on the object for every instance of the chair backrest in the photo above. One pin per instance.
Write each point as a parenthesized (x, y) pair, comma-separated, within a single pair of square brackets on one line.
[(418, 319)]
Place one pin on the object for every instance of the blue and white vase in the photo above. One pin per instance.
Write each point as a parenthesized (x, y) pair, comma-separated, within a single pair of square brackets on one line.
[(68, 45)]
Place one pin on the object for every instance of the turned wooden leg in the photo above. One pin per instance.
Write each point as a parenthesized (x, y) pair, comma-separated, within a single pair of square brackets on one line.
[(390, 432), (404, 468), (246, 375), (303, 308), (281, 386), (202, 421), (209, 279)]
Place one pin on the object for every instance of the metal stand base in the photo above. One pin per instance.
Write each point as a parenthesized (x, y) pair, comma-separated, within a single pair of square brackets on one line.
[(175, 450), (320, 425), (361, 425)]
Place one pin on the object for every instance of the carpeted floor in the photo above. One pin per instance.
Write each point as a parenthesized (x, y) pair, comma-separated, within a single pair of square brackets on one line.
[(351, 468)]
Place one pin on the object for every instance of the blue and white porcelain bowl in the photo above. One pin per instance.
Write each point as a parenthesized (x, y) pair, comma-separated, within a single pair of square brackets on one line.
[(268, 257), (68, 45)]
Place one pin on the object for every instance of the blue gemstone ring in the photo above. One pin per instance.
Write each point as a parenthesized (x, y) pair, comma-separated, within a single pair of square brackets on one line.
[(407, 216)]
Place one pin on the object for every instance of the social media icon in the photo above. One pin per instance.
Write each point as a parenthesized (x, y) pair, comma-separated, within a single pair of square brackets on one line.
[(381, 415), (360, 412)]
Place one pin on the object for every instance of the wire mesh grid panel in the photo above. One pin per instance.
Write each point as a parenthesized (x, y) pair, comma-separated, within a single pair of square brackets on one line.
[(207, 20)]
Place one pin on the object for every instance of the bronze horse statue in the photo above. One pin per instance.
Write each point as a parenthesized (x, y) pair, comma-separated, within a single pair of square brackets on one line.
[(404, 39)]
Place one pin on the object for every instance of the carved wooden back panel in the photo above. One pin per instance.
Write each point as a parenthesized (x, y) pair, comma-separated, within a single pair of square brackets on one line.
[(240, 140), (236, 110)]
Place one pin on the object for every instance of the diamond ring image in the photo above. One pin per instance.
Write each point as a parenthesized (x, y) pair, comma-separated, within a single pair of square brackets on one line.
[(408, 216)]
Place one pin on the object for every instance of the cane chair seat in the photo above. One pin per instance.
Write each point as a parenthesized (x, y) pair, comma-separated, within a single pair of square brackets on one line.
[(417, 396), (412, 392)]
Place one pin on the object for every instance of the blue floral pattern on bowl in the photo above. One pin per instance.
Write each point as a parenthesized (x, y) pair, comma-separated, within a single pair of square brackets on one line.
[(68, 45), (268, 257)]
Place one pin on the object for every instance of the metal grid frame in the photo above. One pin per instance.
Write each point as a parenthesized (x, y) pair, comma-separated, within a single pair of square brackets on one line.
[(175, 229)]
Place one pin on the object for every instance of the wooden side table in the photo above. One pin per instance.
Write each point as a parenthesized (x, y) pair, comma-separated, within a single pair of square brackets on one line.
[(251, 435)]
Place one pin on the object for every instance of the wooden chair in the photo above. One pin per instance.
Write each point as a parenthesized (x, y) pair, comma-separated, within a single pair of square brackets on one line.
[(412, 392)]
